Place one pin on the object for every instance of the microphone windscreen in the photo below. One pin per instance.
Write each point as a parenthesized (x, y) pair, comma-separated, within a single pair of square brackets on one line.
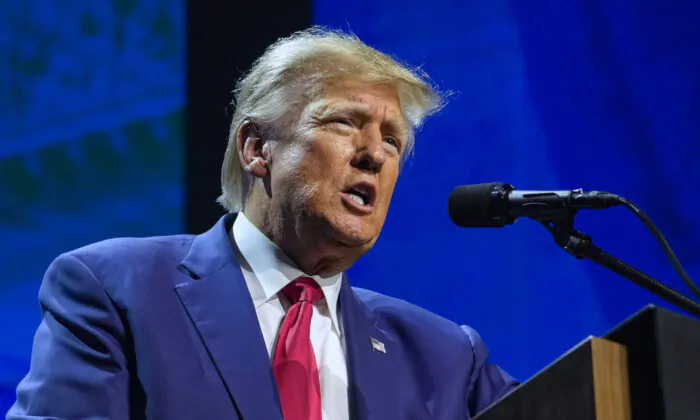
[(473, 205)]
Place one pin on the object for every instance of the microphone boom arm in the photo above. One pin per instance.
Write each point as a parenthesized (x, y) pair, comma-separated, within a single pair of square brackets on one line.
[(581, 246)]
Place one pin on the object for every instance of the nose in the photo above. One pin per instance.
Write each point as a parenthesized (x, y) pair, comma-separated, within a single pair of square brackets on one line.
[(370, 155)]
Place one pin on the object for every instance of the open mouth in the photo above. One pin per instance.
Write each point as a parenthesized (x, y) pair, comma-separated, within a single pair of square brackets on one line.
[(361, 195)]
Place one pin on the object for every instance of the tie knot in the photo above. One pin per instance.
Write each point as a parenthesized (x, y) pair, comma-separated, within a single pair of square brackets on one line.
[(303, 289)]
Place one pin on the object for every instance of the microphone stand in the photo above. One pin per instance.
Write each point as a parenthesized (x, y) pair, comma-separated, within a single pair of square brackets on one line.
[(581, 246)]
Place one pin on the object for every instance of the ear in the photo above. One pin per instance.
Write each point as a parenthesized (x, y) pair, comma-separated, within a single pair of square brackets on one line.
[(253, 149)]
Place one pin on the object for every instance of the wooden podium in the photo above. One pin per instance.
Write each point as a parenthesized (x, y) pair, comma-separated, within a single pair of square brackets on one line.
[(647, 368)]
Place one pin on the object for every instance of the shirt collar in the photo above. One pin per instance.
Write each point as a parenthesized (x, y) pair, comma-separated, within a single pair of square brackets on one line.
[(273, 269)]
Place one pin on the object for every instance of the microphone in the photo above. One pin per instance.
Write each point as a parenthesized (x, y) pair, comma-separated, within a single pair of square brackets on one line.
[(497, 204)]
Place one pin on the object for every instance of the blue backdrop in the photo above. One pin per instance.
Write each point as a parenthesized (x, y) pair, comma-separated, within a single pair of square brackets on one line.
[(91, 97), (594, 94)]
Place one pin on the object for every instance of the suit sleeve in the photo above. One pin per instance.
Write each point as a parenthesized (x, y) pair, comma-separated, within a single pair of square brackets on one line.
[(488, 382), (78, 369)]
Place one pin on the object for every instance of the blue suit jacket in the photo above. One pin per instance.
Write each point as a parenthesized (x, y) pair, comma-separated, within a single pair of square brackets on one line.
[(164, 328)]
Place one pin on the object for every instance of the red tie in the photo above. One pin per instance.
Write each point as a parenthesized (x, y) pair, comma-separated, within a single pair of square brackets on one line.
[(294, 362)]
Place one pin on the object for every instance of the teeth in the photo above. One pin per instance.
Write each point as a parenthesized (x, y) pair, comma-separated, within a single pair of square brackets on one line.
[(357, 199)]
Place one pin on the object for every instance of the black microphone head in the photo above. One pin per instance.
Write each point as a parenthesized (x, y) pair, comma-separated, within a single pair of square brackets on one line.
[(479, 205)]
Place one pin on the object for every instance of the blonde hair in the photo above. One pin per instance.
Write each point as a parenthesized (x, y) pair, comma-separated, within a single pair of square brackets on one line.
[(289, 75)]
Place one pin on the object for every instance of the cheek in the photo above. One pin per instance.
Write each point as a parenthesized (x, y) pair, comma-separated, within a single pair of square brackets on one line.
[(289, 177), (388, 187), (331, 154), (328, 164), (290, 159), (294, 163), (308, 179)]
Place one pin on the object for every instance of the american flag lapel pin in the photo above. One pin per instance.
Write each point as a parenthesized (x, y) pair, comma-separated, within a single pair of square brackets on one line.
[(377, 345)]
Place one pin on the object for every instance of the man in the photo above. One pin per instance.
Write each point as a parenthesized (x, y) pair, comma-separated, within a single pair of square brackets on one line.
[(255, 319)]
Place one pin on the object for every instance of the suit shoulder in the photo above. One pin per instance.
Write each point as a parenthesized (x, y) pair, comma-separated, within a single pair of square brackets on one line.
[(114, 261), (133, 249), (398, 313)]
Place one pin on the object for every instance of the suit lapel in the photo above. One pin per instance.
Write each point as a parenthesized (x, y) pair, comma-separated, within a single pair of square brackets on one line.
[(372, 373), (219, 305)]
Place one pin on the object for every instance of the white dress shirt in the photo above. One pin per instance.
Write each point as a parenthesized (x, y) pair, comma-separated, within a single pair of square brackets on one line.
[(267, 270)]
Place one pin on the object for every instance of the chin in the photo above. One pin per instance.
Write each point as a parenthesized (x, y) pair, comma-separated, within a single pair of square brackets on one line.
[(353, 231)]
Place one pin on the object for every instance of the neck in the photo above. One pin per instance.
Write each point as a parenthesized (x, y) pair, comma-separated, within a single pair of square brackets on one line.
[(313, 253)]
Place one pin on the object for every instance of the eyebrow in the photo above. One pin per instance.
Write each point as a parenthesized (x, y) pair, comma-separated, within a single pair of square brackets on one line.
[(360, 107)]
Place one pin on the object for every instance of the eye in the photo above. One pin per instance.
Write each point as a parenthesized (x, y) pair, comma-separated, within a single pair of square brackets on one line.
[(342, 121), (392, 141)]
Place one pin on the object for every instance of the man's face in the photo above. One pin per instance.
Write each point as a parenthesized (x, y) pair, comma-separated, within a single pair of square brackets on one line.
[(336, 174)]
